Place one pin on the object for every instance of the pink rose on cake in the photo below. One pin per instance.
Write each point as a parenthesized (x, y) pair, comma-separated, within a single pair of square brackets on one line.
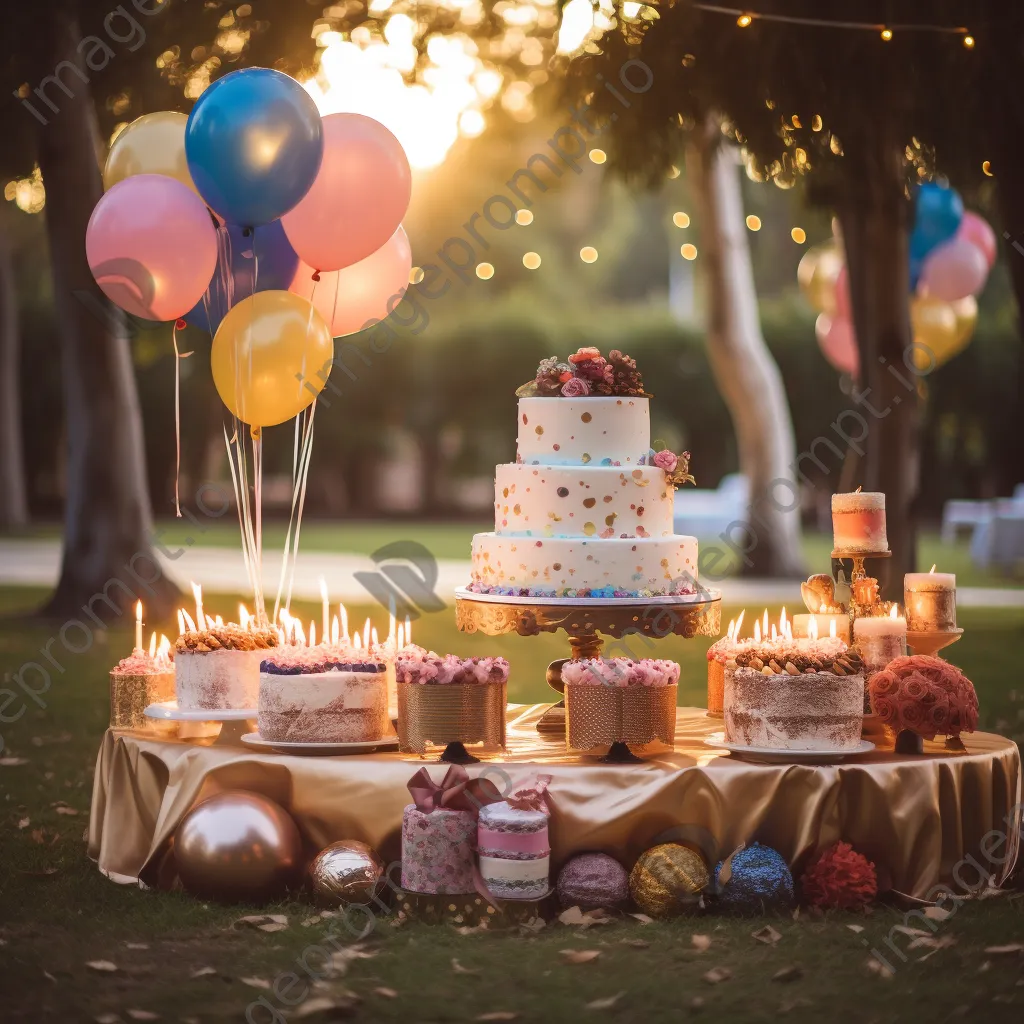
[(575, 387), (665, 460)]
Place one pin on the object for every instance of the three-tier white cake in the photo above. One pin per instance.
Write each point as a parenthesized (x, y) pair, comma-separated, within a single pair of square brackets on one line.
[(586, 510)]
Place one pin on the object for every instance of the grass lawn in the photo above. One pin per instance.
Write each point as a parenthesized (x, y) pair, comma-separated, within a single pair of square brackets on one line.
[(57, 912)]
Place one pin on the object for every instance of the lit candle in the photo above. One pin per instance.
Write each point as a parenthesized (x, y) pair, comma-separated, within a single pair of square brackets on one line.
[(344, 623), (838, 625), (400, 641), (858, 522), (366, 633), (408, 630), (391, 619), (335, 634), (181, 622), (152, 645), (197, 593), (881, 639), (930, 598), (190, 626), (325, 618), (138, 625), (312, 633)]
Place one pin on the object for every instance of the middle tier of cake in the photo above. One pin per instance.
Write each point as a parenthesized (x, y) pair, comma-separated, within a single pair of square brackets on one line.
[(582, 501), (622, 567)]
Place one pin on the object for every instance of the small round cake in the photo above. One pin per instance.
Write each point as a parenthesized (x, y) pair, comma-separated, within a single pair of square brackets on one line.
[(795, 695), (322, 695), (218, 668), (858, 522), (514, 851), (136, 682)]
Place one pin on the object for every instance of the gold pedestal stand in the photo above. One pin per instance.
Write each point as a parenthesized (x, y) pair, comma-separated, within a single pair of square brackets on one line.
[(587, 621), (933, 640)]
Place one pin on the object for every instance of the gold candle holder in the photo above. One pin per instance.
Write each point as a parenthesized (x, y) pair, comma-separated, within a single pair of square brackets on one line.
[(598, 716), (444, 714)]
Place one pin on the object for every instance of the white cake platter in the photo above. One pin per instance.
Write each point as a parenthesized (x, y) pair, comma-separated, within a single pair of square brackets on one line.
[(168, 711), (702, 597), (772, 755), (254, 739)]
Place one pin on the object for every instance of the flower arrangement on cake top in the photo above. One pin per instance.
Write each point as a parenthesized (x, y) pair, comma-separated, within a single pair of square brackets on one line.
[(676, 467), (621, 672), (415, 664), (924, 695), (587, 373)]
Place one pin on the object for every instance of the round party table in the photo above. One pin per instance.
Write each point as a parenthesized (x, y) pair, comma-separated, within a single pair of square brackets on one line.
[(931, 819)]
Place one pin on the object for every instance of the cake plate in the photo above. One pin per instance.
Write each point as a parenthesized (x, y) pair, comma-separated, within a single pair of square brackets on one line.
[(254, 739), (233, 719), (773, 755), (587, 620)]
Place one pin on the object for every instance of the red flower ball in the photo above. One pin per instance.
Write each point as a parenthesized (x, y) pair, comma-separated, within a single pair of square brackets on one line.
[(840, 879), (925, 694)]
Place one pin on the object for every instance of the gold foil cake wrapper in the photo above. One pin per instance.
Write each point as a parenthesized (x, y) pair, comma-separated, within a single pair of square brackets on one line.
[(716, 688), (597, 716), (443, 713), (132, 693)]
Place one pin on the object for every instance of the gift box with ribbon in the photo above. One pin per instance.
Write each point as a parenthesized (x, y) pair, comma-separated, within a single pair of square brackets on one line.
[(439, 831)]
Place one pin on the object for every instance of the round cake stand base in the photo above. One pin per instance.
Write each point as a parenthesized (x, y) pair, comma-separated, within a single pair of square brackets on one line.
[(619, 753), (456, 753), (932, 641)]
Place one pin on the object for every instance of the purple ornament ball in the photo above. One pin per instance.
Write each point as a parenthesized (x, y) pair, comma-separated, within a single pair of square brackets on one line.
[(593, 881)]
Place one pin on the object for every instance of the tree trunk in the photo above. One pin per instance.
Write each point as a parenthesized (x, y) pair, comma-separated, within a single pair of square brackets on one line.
[(747, 375), (13, 503), (107, 517), (874, 213)]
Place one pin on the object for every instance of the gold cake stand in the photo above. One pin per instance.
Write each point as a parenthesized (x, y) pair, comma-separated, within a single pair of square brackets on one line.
[(587, 621)]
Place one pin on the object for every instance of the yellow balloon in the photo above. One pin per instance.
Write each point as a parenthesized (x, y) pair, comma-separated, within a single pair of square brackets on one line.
[(271, 357), (816, 274), (151, 144), (935, 332), (966, 311)]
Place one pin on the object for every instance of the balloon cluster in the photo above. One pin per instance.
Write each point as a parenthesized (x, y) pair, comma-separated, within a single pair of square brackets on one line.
[(259, 221), (951, 253)]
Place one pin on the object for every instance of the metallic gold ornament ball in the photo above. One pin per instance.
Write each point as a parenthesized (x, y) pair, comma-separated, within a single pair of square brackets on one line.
[(238, 846), (347, 872), (667, 880)]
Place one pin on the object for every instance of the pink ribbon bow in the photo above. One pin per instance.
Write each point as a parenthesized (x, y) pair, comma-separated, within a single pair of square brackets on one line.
[(531, 795), (456, 791)]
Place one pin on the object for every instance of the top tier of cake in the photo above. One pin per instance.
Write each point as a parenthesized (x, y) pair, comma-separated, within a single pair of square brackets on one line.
[(592, 431)]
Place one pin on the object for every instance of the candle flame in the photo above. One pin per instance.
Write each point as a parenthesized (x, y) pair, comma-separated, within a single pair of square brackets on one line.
[(373, 637), (732, 629), (189, 624), (812, 628), (400, 641), (366, 633), (298, 633), (335, 634), (408, 630), (894, 612), (323, 591), (243, 616), (739, 623), (152, 645), (822, 609), (181, 622), (356, 641), (344, 622), (165, 647), (789, 630), (757, 632), (832, 631), (775, 635), (764, 630), (933, 568), (197, 593), (217, 621)]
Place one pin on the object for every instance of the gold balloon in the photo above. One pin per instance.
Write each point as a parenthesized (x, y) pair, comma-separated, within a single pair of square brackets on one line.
[(817, 273), (238, 847), (151, 144), (935, 332), (667, 880), (271, 357), (966, 311), (345, 873)]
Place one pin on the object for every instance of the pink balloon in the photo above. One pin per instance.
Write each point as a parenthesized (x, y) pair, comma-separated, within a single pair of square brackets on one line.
[(152, 246), (358, 199), (978, 232), (842, 295), (368, 290), (838, 343), (954, 270)]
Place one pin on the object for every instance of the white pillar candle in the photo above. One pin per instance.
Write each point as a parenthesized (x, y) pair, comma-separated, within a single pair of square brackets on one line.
[(930, 598), (881, 639)]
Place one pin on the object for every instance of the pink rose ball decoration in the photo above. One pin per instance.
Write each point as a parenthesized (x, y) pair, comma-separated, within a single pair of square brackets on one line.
[(925, 695), (665, 460)]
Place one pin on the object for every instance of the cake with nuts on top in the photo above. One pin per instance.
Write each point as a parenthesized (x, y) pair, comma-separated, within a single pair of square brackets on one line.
[(218, 668)]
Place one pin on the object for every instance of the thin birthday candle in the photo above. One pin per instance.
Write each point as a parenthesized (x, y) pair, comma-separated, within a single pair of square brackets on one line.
[(344, 623), (325, 621), (138, 626)]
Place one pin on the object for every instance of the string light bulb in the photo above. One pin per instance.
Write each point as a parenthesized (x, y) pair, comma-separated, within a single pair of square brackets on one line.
[(886, 34), (485, 271), (744, 20), (968, 42), (531, 261), (588, 254)]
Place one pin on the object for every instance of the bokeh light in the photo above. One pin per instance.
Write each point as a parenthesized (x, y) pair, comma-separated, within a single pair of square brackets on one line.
[(688, 251), (485, 271), (531, 261), (753, 222), (588, 254), (524, 217), (680, 219), (798, 235)]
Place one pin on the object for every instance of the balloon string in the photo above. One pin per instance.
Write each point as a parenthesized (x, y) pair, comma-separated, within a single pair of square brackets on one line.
[(303, 425), (178, 356)]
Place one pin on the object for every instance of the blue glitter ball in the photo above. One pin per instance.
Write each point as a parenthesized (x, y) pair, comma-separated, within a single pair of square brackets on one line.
[(760, 882)]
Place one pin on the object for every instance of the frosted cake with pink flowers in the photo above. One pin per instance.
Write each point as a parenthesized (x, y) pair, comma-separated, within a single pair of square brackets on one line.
[(322, 694), (586, 509)]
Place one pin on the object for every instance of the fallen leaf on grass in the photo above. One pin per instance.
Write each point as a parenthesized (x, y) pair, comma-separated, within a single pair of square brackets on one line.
[(907, 930), (255, 982), (499, 1015), (643, 918), (532, 926), (385, 993), (701, 943), (70, 811), (263, 922), (856, 928), (768, 935), (604, 1004), (986, 965), (107, 1018), (791, 973), (927, 942), (101, 965), (1013, 947), (310, 921), (23, 823), (203, 972), (717, 974), (142, 1015), (38, 835), (329, 1007), (578, 956), (50, 977), (937, 913), (794, 1004), (136, 945), (457, 968), (635, 943), (12, 762), (877, 967), (576, 917)]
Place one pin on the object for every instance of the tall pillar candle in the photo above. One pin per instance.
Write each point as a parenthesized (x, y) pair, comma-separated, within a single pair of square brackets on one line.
[(881, 639), (858, 522), (930, 599)]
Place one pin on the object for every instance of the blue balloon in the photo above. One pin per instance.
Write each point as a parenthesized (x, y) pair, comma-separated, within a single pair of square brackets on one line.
[(254, 142), (264, 258), (938, 211)]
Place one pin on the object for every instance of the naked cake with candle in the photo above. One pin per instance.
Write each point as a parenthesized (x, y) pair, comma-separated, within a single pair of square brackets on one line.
[(788, 694), (586, 509)]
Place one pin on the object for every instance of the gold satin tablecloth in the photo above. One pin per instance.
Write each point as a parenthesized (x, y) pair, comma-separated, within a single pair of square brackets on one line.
[(918, 817)]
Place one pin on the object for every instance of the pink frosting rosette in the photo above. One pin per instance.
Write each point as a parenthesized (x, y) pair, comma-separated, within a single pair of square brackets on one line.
[(417, 665)]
